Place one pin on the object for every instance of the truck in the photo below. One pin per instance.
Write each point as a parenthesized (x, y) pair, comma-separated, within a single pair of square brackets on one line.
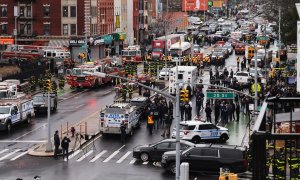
[(40, 102), (114, 115), (186, 75), (76, 78), (239, 48), (131, 54), (15, 108), (159, 44)]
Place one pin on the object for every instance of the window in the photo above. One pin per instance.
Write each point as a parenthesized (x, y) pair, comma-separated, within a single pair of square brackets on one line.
[(3, 11), (195, 152), (65, 11), (25, 28), (94, 11), (47, 11), (47, 29), (73, 29), (94, 28), (187, 127), (204, 127), (164, 145), (3, 29), (209, 152), (73, 11), (65, 29)]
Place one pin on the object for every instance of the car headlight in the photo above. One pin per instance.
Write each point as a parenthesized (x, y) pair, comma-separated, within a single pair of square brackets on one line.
[(164, 157)]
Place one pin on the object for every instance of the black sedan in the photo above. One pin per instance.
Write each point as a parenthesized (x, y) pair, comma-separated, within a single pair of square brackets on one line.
[(155, 151)]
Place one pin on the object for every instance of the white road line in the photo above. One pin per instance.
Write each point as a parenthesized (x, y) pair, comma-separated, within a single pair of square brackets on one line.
[(15, 141), (9, 154), (121, 148), (98, 156), (132, 161), (84, 156), (3, 151), (123, 157), (75, 153), (44, 125), (111, 156), (145, 163), (18, 156)]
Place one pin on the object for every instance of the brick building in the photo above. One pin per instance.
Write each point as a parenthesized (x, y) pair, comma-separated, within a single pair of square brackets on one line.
[(105, 17)]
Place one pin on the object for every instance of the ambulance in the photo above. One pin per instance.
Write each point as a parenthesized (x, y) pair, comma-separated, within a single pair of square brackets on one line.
[(114, 115), (186, 75)]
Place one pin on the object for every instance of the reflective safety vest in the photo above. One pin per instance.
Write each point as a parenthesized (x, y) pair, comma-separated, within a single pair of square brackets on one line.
[(253, 87), (150, 120)]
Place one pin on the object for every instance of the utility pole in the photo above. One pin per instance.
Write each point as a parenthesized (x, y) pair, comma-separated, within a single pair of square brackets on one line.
[(177, 161), (279, 30), (166, 44), (49, 143), (255, 84)]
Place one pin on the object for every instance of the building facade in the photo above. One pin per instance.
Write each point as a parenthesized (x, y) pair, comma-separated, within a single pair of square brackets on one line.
[(105, 17)]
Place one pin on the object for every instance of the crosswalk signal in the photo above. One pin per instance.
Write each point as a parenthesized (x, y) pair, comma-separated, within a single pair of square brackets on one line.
[(48, 85), (184, 95)]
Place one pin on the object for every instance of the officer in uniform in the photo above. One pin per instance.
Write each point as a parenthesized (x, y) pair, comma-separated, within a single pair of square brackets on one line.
[(124, 92), (61, 83), (130, 91), (54, 87), (32, 82)]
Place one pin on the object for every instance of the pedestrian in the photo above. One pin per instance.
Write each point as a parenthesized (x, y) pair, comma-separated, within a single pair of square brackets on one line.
[(208, 113), (237, 111), (217, 111), (65, 147), (233, 110), (123, 132), (150, 123), (181, 107), (56, 144), (170, 107), (167, 126)]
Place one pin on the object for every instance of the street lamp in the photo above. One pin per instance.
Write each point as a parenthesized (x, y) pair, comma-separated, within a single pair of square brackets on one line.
[(298, 47)]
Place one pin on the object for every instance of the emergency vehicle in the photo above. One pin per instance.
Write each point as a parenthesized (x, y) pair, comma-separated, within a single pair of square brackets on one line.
[(186, 74), (131, 54), (112, 117), (15, 107), (239, 48), (76, 78), (197, 131)]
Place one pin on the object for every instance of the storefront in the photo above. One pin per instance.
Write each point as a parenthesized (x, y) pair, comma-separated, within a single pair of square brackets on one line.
[(4, 42)]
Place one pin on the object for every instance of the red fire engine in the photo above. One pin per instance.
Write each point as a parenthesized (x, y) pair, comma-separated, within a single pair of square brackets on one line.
[(76, 78), (131, 54)]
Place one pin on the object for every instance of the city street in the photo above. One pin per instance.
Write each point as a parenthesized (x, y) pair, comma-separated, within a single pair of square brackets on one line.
[(104, 157)]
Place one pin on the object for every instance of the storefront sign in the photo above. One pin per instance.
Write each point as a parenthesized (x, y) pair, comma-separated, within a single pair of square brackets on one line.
[(6, 41), (76, 42)]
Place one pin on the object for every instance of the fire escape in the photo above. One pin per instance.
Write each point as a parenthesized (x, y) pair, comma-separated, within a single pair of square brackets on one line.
[(25, 19)]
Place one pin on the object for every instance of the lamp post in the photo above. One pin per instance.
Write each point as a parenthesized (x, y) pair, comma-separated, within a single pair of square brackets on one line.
[(298, 48), (16, 15), (166, 44)]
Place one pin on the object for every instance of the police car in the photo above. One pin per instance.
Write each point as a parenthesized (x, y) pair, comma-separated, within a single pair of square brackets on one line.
[(197, 131)]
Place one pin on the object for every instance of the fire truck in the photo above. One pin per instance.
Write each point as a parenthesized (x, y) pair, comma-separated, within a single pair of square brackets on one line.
[(159, 44), (131, 54), (76, 78)]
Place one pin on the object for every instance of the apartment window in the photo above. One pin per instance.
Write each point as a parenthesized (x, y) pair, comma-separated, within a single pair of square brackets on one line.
[(47, 11), (25, 11), (94, 28), (73, 11), (65, 11), (47, 29), (73, 29), (25, 28), (94, 11), (3, 11), (65, 29), (3, 29)]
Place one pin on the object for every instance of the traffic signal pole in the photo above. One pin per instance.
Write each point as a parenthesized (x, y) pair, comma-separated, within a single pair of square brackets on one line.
[(49, 143)]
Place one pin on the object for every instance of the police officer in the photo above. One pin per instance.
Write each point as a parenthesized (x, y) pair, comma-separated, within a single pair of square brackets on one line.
[(123, 132), (61, 83), (54, 87)]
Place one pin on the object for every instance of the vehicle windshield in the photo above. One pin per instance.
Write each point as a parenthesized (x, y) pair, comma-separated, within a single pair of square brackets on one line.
[(186, 127), (157, 50), (4, 110), (38, 99), (77, 72), (174, 52)]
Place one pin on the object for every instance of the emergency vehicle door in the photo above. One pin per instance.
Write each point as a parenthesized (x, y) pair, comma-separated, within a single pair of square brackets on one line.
[(205, 132), (15, 114)]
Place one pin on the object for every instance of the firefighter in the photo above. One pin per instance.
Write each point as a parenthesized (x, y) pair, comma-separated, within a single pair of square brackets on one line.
[(54, 87), (41, 82), (33, 83), (294, 164), (61, 83), (124, 92), (130, 92), (279, 165)]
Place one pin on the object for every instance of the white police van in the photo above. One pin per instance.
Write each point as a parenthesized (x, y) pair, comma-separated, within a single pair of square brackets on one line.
[(197, 131)]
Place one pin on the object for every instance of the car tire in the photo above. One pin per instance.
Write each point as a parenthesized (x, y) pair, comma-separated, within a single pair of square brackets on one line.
[(196, 139), (226, 169), (28, 119), (8, 126), (144, 156), (172, 168), (223, 138)]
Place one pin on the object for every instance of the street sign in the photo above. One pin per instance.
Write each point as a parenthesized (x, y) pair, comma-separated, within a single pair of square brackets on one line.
[(210, 3), (220, 95)]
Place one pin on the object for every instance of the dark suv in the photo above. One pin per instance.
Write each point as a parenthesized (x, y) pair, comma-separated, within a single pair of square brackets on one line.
[(209, 158)]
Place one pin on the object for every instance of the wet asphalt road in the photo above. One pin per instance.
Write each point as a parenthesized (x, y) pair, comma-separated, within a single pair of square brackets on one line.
[(116, 160)]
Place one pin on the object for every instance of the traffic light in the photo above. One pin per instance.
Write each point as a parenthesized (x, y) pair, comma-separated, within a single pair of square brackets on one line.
[(48, 85), (184, 95), (210, 3)]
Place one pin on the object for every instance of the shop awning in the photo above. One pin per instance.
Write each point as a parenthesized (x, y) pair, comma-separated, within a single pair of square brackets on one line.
[(6, 41), (59, 42)]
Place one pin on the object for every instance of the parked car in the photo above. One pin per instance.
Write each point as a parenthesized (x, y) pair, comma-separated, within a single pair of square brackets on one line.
[(155, 151), (242, 77), (209, 158), (197, 131), (229, 48)]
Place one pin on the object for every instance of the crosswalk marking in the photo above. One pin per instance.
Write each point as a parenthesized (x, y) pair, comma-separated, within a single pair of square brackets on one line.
[(3, 151), (111, 156), (145, 163), (9, 154), (132, 161), (84, 156), (18, 156), (98, 156), (74, 154), (123, 157)]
